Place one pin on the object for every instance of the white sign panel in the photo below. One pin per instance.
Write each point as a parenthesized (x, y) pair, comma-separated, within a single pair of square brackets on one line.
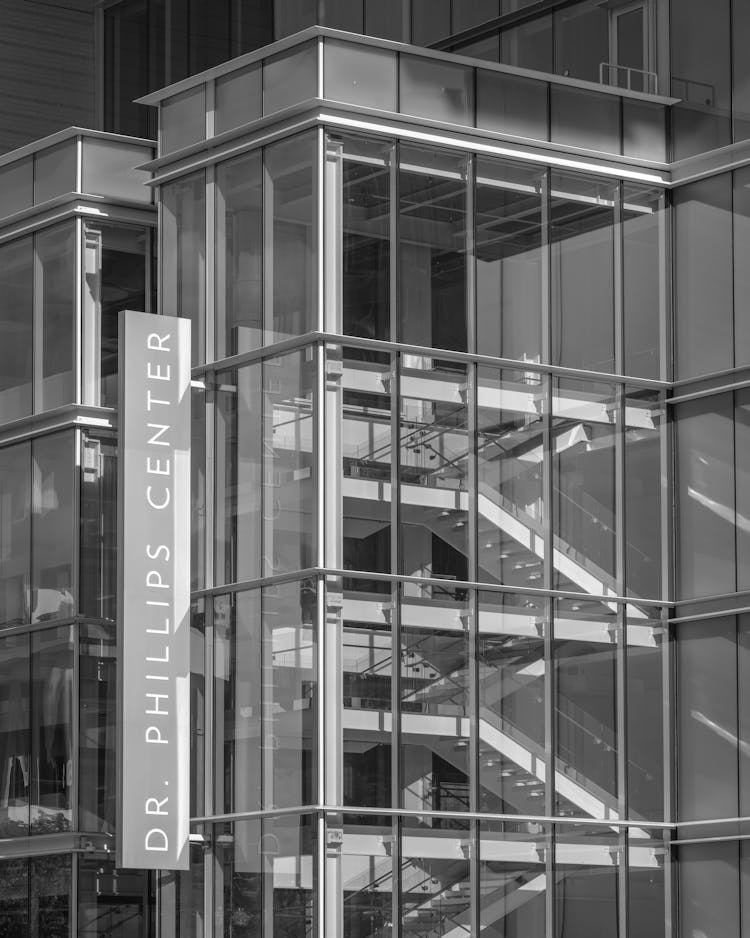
[(154, 592)]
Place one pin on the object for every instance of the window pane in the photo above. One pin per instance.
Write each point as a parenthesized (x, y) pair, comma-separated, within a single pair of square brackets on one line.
[(50, 889), (511, 669), (430, 21), (290, 77), (643, 493), (291, 199), (98, 728), (15, 534), (238, 701), (52, 527), (432, 249), (644, 132), (585, 119), (15, 738), (290, 16), (55, 292), (741, 244), (52, 753), (508, 260), (509, 104), (582, 257), (55, 171), (182, 120), (184, 255), (581, 40), (709, 889), (384, 18), (510, 460), (437, 90), (433, 470), (528, 45), (109, 169), (239, 255), (512, 880), (239, 98), (705, 490), (98, 540), (120, 896), (366, 201), (642, 224), (14, 887), (239, 489), (361, 75), (703, 276), (17, 186), (586, 868), (16, 336), (645, 640)]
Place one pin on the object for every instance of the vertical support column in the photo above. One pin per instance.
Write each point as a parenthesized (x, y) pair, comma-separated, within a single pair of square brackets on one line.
[(91, 338), (331, 753), (333, 238), (210, 285)]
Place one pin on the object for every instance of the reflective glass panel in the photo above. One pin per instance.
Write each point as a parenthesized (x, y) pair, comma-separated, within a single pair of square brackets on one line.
[(52, 527), (643, 284), (15, 737), (55, 300), (586, 863), (508, 260), (109, 169), (14, 909), (585, 119), (582, 275), (433, 469), (510, 466), (290, 77), (510, 104), (239, 255), (183, 255), (432, 249), (290, 178), (16, 186), (182, 120), (15, 534), (366, 459), (238, 98), (52, 782), (361, 75), (16, 334), (435, 889), (581, 40), (50, 890), (98, 539), (512, 879), (437, 90), (97, 728), (643, 493), (55, 171), (367, 881), (122, 900), (528, 45)]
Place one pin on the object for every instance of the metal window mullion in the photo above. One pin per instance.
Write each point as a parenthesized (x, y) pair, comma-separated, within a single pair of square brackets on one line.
[(209, 857), (396, 754), (470, 247), (546, 269), (75, 729), (619, 280)]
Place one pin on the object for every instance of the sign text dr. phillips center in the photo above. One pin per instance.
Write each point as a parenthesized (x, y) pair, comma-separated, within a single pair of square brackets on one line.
[(154, 592)]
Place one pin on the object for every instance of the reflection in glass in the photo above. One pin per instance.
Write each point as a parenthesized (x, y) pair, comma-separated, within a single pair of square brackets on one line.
[(15, 738), (642, 218), (52, 527), (583, 447), (14, 909), (98, 537), (432, 248), (120, 902), (50, 894), (434, 692), (367, 882), (15, 534), (183, 255), (585, 721), (643, 487), (54, 294), (646, 884), (291, 197), (510, 458), (52, 727), (97, 728), (587, 862), (508, 260), (512, 879), (433, 467), (16, 346), (511, 676), (366, 208), (366, 455), (582, 274), (198, 693), (181, 899), (239, 255), (436, 90)]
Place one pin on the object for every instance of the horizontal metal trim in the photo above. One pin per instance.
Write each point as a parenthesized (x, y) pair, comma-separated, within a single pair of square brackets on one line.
[(68, 206), (70, 416)]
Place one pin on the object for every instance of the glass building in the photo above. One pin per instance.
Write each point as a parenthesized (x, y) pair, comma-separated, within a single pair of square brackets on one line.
[(470, 515)]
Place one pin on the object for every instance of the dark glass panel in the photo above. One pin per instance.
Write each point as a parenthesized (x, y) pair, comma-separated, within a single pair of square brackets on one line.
[(703, 276), (290, 168), (528, 45), (384, 18), (182, 120), (436, 90), (198, 707), (582, 258), (239, 98), (743, 719), (432, 249), (643, 494), (740, 18), (16, 334), (14, 889), (508, 250), (586, 893), (585, 119), (50, 890), (362, 75), (435, 887), (15, 534), (366, 459), (290, 77), (705, 492), (644, 134), (15, 739), (55, 285), (468, 13), (119, 903), (209, 33), (344, 14), (512, 879), (52, 782), (510, 104), (52, 527), (741, 248), (98, 728), (98, 541), (581, 40), (367, 881), (239, 255), (198, 496), (55, 171), (366, 201), (646, 885), (183, 255), (290, 16), (430, 21), (709, 889)]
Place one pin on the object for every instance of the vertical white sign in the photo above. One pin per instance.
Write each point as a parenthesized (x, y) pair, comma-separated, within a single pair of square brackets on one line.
[(153, 615)]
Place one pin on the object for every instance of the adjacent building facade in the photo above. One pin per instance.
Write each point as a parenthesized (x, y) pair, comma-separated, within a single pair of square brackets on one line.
[(469, 501)]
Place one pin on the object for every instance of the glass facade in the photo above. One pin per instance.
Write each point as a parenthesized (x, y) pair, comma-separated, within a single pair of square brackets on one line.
[(469, 498)]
